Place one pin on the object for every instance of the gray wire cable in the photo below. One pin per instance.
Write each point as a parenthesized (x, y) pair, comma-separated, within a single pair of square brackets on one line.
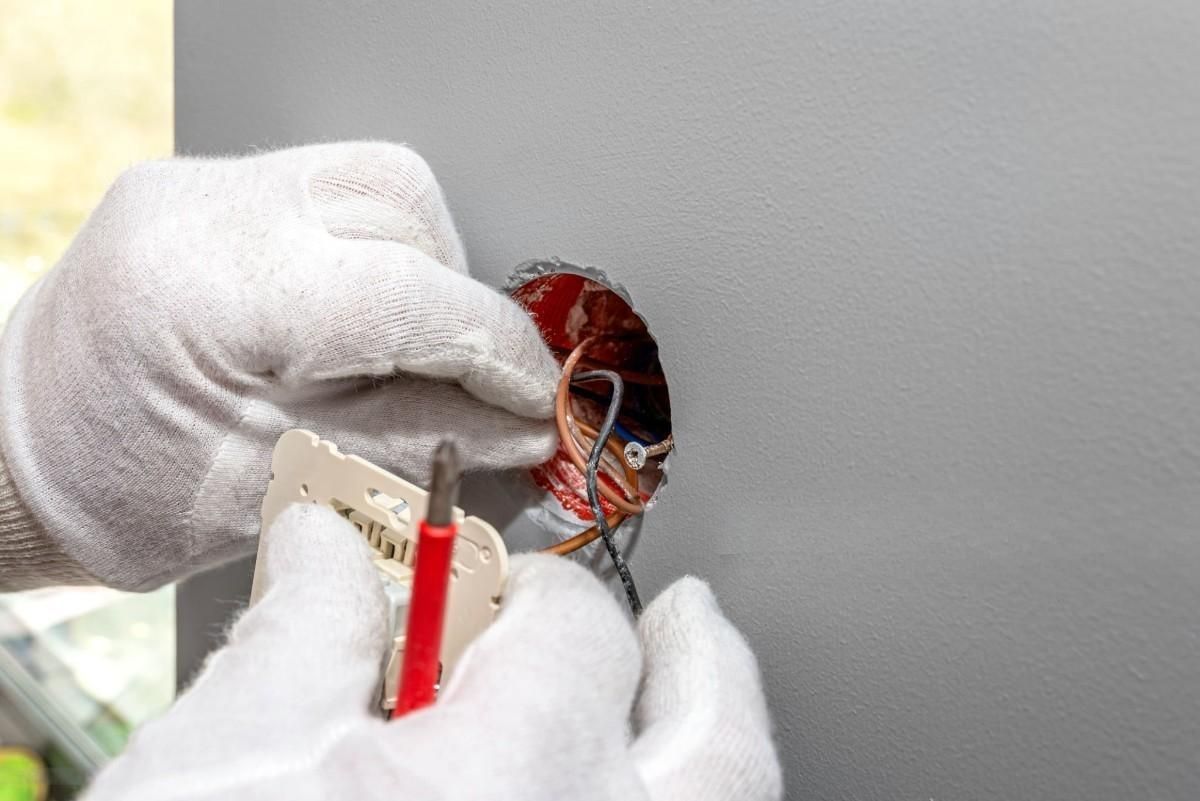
[(593, 492)]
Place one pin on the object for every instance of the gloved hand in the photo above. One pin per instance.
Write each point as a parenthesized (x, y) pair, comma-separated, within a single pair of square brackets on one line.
[(209, 305), (545, 705)]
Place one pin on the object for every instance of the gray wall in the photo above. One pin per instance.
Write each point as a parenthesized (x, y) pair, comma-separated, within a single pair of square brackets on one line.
[(926, 279)]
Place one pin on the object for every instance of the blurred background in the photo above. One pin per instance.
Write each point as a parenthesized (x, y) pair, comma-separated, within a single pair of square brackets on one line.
[(85, 91)]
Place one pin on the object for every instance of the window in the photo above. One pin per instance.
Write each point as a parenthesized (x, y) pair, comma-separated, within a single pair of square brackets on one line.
[(85, 91)]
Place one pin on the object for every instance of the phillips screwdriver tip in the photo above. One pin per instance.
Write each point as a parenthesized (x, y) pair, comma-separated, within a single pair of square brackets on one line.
[(443, 487)]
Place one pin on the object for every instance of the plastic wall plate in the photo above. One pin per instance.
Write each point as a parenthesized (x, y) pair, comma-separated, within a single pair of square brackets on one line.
[(386, 509)]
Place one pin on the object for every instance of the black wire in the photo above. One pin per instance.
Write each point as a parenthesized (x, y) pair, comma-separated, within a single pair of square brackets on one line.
[(593, 492), (648, 431)]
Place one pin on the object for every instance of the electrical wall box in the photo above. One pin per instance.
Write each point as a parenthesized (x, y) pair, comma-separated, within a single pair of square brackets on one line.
[(387, 511)]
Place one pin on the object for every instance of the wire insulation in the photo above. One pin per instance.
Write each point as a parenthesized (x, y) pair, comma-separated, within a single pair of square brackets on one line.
[(592, 470), (628, 376), (617, 450), (585, 537), (589, 535), (613, 465), (625, 495), (628, 435), (626, 417), (561, 409)]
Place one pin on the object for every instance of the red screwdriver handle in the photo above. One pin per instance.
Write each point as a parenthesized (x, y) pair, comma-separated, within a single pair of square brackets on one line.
[(426, 616)]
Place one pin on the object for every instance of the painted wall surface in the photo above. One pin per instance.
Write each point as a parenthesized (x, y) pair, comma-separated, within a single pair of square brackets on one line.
[(926, 279)]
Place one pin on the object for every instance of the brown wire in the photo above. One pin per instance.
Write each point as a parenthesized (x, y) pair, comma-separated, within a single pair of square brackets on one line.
[(630, 482), (589, 535), (584, 537), (628, 417), (628, 376), (568, 441)]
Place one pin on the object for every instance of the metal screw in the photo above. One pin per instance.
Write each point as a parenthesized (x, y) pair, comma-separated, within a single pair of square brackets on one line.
[(635, 455)]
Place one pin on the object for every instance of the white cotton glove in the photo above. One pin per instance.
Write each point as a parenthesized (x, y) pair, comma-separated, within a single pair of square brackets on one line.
[(544, 706), (209, 305)]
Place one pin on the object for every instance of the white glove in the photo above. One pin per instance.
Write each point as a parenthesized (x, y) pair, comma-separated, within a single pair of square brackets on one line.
[(209, 305), (544, 706)]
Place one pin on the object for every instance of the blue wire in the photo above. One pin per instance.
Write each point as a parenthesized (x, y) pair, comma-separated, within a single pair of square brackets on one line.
[(629, 436), (620, 429)]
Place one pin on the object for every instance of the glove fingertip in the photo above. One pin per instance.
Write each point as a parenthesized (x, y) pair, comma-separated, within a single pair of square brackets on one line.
[(688, 601), (398, 425), (694, 592), (529, 444), (513, 367)]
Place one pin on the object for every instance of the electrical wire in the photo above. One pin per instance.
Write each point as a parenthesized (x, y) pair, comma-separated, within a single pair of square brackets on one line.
[(591, 474), (601, 439), (628, 376), (589, 535), (615, 464), (636, 454), (561, 409), (632, 418), (585, 537), (616, 450), (627, 435)]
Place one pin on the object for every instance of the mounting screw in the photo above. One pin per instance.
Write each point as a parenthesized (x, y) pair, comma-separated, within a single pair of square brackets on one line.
[(635, 455)]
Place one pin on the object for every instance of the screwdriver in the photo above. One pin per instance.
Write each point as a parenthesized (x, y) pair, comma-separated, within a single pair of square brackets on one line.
[(420, 669)]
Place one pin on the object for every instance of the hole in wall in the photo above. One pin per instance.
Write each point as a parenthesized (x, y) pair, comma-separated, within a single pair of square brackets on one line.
[(570, 304)]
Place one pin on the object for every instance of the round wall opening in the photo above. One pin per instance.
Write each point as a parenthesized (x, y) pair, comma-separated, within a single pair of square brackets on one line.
[(573, 305)]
